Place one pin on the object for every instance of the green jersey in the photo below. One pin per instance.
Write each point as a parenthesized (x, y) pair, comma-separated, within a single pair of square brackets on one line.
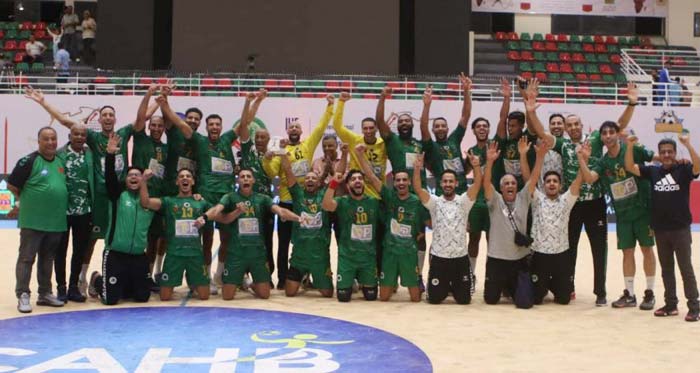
[(43, 193), (252, 159), (447, 155), (312, 235), (630, 194), (509, 161), (97, 141), (152, 154), (402, 154), (247, 231), (569, 161), (358, 220), (402, 221), (181, 154), (79, 179), (184, 239), (215, 163), (481, 153)]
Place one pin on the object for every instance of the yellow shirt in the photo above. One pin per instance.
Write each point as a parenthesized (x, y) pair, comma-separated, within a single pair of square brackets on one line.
[(301, 157), (374, 153)]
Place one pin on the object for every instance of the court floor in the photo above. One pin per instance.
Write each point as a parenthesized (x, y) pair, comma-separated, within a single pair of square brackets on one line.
[(477, 337)]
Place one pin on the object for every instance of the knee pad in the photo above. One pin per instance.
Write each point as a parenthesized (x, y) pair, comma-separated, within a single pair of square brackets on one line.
[(344, 295), (370, 293)]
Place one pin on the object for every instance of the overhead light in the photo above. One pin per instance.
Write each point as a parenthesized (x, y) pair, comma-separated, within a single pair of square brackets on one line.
[(20, 7)]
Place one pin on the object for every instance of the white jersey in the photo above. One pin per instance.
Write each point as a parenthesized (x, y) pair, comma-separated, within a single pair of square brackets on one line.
[(449, 220), (550, 222)]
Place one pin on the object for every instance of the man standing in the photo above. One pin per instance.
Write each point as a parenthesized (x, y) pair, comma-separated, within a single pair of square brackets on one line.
[(125, 269), (69, 21), (89, 29), (358, 218), (38, 182), (671, 219), (301, 156), (80, 181), (449, 213)]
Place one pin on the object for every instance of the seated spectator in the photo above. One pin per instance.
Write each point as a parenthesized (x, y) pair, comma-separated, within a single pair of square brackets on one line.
[(34, 50)]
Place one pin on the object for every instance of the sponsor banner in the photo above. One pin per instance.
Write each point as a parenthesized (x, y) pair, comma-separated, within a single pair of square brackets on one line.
[(201, 339), (626, 8)]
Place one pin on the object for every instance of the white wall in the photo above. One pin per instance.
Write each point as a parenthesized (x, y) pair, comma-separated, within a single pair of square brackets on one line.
[(533, 23), (679, 24)]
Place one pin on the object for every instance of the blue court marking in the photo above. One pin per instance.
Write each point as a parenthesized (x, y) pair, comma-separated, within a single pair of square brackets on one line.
[(200, 339)]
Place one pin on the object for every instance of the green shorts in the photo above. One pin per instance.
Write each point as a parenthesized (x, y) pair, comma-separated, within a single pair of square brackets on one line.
[(213, 198), (100, 218), (479, 218), (236, 267), (320, 271), (404, 265), (633, 231), (193, 266), (362, 268)]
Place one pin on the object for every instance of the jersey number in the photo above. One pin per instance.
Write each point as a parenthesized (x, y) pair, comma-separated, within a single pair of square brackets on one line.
[(361, 218), (187, 212)]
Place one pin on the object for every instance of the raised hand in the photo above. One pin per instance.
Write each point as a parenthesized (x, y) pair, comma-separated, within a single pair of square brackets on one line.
[(250, 96), (331, 99), (261, 95), (162, 99), (632, 93), (684, 138), (523, 145), (584, 151), (167, 88), (152, 89), (338, 177), (492, 153), (631, 139), (386, 92), (344, 147), (466, 82), (113, 143), (474, 160), (345, 96), (147, 174), (420, 159), (506, 89), (35, 95), (428, 96)]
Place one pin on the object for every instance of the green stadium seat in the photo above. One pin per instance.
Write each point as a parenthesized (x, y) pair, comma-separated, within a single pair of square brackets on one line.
[(553, 77), (525, 66), (563, 47), (3, 25), (539, 67), (622, 40), (25, 34), (620, 78), (540, 56), (591, 58), (11, 34), (603, 58), (608, 78), (575, 39), (12, 26), (513, 46), (592, 69), (567, 77), (22, 67), (579, 68), (612, 48), (634, 40), (525, 36), (37, 67), (587, 39), (526, 45), (537, 36), (552, 57), (576, 47)]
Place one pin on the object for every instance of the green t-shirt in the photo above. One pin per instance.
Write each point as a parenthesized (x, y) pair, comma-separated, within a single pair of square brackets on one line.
[(312, 236), (402, 221), (77, 182), (509, 160), (250, 158), (358, 220), (569, 161), (97, 141), (43, 193), (447, 155), (215, 163), (184, 239), (630, 194), (247, 231), (402, 154), (481, 153), (181, 154), (150, 154)]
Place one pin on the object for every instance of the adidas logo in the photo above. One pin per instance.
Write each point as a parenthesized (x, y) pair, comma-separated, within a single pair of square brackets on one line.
[(667, 184)]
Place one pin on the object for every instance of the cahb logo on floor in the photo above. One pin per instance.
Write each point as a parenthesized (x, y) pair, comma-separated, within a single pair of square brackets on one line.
[(206, 339)]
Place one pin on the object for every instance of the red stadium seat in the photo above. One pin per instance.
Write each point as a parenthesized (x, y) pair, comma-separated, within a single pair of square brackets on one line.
[(145, 81), (565, 57), (550, 37), (19, 57), (286, 84), (26, 25), (501, 36), (40, 34), (162, 80), (100, 80), (527, 56), (271, 84), (513, 36), (615, 58), (333, 85), (551, 46), (542, 77), (601, 48), (552, 67), (224, 83), (596, 77), (208, 82), (2, 34), (610, 40), (562, 38), (566, 68), (514, 56), (538, 46), (588, 48), (179, 92), (598, 39), (581, 77), (526, 75), (578, 57), (40, 26), (22, 45), (605, 69)]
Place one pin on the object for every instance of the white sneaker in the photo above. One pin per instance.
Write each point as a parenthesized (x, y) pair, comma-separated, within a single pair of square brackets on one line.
[(83, 286), (48, 300), (23, 304)]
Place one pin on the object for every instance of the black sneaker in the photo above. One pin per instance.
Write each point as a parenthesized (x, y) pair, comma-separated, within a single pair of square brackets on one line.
[(626, 300), (693, 315), (61, 294), (601, 301), (75, 296), (280, 285), (666, 310), (649, 300)]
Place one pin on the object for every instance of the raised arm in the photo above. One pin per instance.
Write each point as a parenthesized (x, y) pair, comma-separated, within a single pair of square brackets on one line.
[(630, 166), (583, 153), (343, 164), (575, 187), (684, 138), (467, 103), (473, 190), (541, 149), (384, 129), (146, 202), (142, 114), (523, 147), (417, 185), (173, 118), (533, 122), (425, 115), (343, 133), (506, 91), (492, 154), (317, 134), (37, 96), (366, 168), (329, 203), (632, 100), (114, 188), (243, 129), (252, 112)]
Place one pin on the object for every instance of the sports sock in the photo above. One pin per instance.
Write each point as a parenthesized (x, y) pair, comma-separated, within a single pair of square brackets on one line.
[(158, 265), (629, 285), (650, 282)]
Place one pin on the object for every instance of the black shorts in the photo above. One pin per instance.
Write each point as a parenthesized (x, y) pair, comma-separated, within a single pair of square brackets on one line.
[(449, 274), (124, 276), (552, 272), (502, 275)]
